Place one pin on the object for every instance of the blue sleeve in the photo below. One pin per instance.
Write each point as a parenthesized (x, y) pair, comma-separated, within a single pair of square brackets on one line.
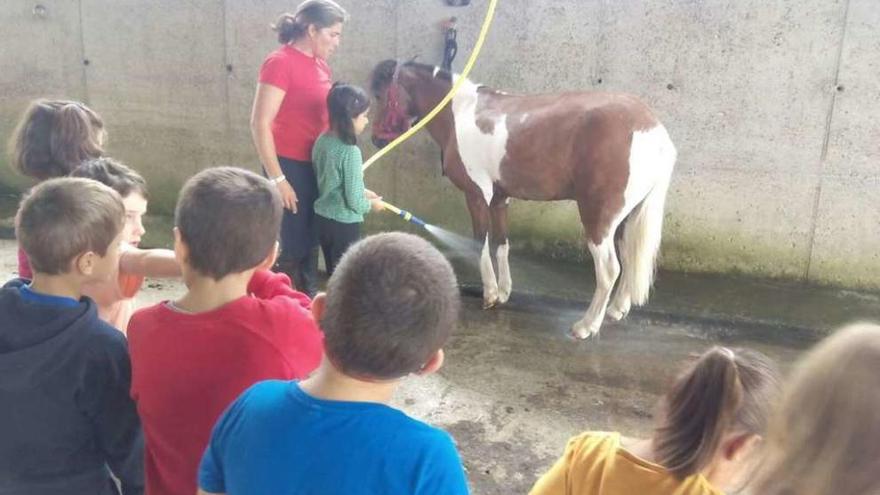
[(211, 470), (104, 396), (443, 471)]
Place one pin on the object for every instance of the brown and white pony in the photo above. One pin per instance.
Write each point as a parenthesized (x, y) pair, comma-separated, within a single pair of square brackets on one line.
[(606, 151)]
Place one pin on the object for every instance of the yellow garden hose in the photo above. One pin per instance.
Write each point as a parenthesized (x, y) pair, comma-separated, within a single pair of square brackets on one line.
[(409, 217)]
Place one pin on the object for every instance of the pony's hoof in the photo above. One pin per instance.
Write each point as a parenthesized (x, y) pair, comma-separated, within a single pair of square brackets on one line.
[(615, 314), (582, 331), (618, 309), (490, 299), (503, 296)]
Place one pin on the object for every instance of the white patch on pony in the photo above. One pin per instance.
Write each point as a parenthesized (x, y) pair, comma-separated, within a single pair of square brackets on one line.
[(505, 283), (524, 117), (651, 160), (436, 71), (651, 156), (490, 284), (480, 153)]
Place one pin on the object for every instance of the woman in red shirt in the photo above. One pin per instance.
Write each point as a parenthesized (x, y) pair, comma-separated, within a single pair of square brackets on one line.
[(289, 113)]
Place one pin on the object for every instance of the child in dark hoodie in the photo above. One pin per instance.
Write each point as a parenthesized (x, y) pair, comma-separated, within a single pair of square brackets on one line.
[(66, 418)]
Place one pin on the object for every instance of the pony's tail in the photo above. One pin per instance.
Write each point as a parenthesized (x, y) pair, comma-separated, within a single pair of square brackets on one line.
[(644, 226)]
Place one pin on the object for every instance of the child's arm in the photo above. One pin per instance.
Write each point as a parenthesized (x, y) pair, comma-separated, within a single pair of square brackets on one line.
[(106, 400), (353, 190), (267, 285), (149, 262)]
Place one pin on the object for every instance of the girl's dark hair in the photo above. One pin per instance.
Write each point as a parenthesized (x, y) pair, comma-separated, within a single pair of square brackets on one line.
[(344, 103), (54, 137), (321, 13), (725, 390), (110, 172)]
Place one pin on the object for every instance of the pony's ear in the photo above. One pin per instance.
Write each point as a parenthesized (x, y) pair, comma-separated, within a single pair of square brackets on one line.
[(413, 59)]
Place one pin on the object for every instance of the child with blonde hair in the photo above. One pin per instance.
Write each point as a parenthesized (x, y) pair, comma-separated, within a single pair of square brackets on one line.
[(825, 437)]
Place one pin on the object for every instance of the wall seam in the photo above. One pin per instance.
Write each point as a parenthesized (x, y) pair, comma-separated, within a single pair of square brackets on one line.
[(82, 59), (227, 76), (817, 197), (395, 179)]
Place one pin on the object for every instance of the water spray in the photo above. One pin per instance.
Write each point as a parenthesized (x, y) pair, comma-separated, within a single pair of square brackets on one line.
[(459, 246), (409, 217)]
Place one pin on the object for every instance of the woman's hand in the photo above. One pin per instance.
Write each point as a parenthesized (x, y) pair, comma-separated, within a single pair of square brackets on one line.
[(376, 204), (288, 196)]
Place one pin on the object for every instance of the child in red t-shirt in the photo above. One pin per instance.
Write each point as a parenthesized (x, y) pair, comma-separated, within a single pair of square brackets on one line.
[(237, 324)]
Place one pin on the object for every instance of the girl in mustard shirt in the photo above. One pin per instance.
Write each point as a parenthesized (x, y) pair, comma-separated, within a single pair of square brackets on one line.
[(710, 430)]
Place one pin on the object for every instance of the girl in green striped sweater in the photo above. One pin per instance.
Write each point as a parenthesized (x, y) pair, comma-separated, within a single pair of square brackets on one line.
[(342, 198)]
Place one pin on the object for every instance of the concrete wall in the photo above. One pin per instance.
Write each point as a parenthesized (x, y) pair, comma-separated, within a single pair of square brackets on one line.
[(173, 80), (771, 104)]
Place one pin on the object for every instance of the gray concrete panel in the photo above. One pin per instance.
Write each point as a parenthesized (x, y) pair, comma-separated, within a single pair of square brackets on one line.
[(41, 57)]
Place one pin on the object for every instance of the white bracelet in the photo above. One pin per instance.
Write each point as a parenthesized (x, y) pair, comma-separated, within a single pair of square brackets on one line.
[(278, 180)]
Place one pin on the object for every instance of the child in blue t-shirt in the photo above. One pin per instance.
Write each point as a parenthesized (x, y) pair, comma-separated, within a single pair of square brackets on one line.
[(389, 308)]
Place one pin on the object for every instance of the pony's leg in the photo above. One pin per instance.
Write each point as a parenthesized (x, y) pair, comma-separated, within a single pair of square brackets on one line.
[(607, 271), (622, 301), (501, 245), (620, 306), (480, 220)]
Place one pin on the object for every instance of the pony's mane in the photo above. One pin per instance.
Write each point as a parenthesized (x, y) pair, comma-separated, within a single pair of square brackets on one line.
[(384, 73), (442, 74)]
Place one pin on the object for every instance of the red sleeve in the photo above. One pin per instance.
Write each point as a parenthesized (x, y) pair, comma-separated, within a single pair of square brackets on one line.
[(24, 266), (275, 71), (304, 346), (265, 284), (295, 331)]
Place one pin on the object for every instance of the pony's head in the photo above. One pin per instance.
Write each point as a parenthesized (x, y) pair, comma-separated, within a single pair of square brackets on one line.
[(395, 109)]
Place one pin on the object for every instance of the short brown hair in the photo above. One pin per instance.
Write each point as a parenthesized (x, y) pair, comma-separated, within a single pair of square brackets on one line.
[(229, 219), (113, 173), (54, 137), (63, 218), (825, 437), (391, 304), (725, 390), (321, 13)]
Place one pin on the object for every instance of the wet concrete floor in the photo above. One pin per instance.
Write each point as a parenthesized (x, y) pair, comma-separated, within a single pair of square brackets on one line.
[(515, 387)]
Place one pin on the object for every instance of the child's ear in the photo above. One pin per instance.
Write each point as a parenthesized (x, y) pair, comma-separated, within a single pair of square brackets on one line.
[(433, 364), (181, 250), (318, 305), (85, 263), (741, 446), (270, 259)]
